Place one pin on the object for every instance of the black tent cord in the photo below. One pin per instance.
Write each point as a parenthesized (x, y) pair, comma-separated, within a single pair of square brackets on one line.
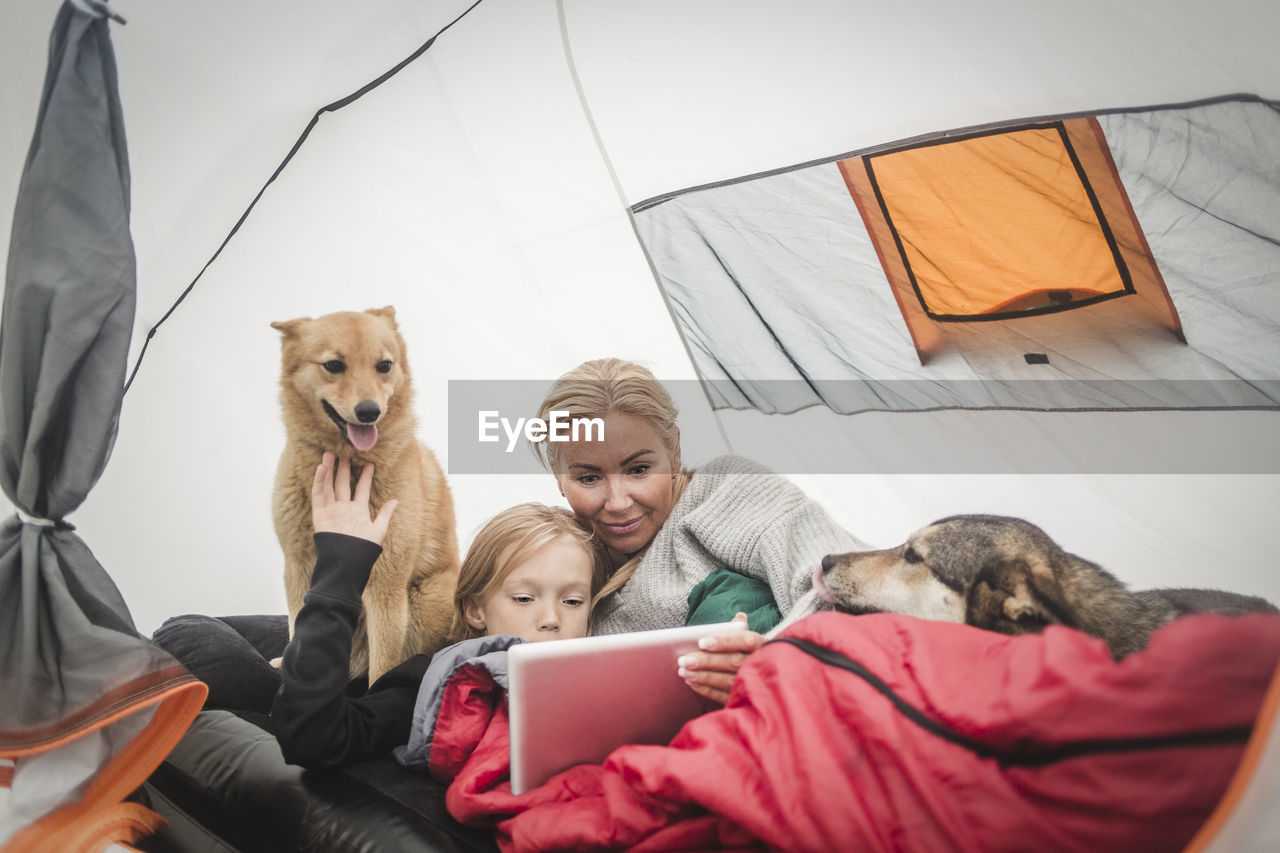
[(1036, 756), (329, 108)]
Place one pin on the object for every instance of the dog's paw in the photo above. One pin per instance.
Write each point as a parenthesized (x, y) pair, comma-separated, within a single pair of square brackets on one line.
[(277, 663)]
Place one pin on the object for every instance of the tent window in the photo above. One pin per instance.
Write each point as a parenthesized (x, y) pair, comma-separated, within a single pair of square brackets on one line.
[(999, 224)]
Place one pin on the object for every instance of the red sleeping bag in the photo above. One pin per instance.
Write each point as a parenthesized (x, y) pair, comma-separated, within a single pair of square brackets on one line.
[(885, 732)]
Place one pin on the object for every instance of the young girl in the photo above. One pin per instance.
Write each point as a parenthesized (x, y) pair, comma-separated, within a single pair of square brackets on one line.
[(531, 573)]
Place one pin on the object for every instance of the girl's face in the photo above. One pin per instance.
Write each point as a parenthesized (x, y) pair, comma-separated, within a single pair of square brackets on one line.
[(546, 596), (621, 486)]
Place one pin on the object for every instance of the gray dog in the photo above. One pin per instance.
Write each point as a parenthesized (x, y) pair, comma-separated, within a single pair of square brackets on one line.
[(1007, 575)]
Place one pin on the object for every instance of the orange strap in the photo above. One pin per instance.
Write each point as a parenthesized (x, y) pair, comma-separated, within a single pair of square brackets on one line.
[(90, 830), (99, 817)]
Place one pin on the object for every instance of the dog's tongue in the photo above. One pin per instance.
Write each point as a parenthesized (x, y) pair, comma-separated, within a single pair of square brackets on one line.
[(820, 586), (362, 436)]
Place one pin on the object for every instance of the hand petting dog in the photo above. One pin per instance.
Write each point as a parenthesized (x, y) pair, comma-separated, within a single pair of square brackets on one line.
[(335, 510)]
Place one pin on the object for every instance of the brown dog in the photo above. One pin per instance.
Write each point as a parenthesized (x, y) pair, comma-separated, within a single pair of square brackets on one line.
[(1007, 575), (345, 388)]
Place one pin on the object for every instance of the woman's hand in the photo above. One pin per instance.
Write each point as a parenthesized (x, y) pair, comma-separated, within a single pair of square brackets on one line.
[(335, 510), (710, 671)]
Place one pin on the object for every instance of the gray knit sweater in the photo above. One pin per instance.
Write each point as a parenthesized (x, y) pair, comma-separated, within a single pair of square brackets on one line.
[(736, 515)]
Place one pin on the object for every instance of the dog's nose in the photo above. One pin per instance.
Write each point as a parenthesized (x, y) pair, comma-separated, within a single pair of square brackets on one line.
[(828, 561), (367, 411)]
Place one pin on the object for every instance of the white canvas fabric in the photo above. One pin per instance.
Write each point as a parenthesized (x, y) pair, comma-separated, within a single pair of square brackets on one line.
[(487, 190)]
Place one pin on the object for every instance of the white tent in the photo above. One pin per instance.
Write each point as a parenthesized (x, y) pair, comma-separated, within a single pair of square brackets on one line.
[(484, 191)]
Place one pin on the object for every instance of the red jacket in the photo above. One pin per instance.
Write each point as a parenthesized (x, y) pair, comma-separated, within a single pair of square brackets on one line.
[(948, 738)]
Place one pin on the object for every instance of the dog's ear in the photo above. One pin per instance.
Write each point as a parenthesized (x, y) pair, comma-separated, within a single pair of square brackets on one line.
[(289, 328), (387, 312), (1015, 596), (1047, 598), (1019, 605)]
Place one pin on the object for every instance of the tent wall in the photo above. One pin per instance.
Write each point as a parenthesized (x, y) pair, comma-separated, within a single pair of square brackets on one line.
[(743, 88), (470, 191)]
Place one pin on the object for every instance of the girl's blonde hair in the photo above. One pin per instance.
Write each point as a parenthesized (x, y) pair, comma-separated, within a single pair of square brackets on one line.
[(508, 539), (595, 388)]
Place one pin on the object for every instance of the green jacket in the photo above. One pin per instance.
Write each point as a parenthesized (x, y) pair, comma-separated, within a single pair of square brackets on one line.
[(723, 593)]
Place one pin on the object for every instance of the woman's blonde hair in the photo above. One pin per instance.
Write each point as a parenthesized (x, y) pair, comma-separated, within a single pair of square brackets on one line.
[(593, 389), (508, 539), (596, 388)]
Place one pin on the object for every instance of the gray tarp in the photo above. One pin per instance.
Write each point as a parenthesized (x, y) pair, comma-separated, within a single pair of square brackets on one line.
[(71, 662)]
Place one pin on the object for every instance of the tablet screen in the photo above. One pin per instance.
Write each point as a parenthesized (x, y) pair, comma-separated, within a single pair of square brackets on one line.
[(575, 701)]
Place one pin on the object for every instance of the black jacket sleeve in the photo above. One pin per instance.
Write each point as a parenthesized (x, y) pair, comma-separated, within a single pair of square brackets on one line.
[(316, 722)]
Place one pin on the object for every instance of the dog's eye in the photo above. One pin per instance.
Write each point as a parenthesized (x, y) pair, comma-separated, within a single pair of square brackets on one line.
[(383, 366), (911, 555), (334, 366)]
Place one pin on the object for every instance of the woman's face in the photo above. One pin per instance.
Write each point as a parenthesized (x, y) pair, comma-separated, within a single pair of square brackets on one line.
[(621, 486)]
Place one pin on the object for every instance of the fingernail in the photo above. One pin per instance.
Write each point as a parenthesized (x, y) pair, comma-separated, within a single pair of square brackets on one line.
[(686, 662), (684, 673), (707, 643)]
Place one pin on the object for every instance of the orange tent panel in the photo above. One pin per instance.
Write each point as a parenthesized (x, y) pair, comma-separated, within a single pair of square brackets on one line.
[(1003, 223)]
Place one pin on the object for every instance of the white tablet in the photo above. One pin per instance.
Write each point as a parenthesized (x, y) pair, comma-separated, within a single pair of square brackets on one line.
[(575, 701)]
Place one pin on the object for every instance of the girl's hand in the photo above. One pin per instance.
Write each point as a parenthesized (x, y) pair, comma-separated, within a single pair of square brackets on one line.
[(335, 510), (710, 671)]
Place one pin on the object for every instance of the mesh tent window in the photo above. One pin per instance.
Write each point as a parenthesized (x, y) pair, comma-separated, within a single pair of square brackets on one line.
[(788, 295)]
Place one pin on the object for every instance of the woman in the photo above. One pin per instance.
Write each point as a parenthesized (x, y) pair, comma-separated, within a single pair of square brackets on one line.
[(666, 528)]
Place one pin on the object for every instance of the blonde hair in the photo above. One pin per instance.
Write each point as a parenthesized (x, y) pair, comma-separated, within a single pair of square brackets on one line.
[(593, 389), (508, 539), (596, 388)]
